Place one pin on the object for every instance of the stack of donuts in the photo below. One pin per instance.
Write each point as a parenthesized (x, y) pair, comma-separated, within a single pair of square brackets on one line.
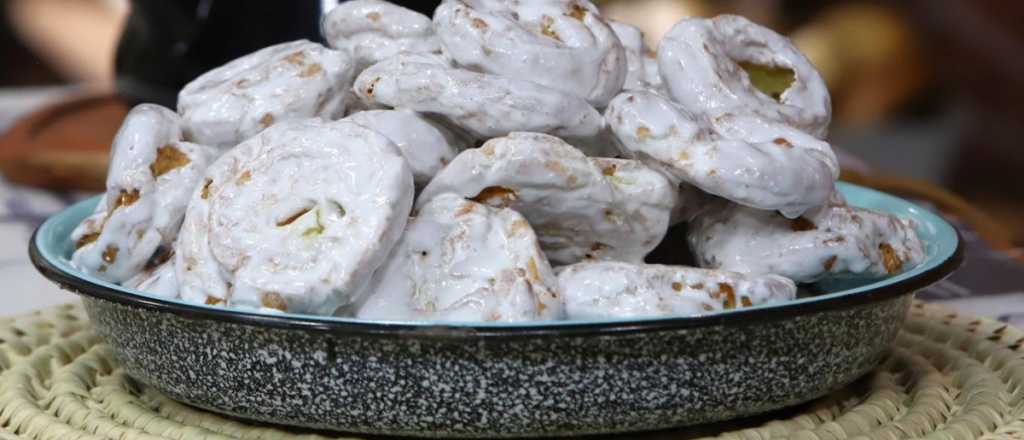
[(505, 160)]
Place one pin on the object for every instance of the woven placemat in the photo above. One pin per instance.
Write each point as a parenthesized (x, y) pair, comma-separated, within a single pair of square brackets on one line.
[(948, 377)]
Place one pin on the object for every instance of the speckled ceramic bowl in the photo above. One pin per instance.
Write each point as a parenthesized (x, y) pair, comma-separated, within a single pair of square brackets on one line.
[(459, 380)]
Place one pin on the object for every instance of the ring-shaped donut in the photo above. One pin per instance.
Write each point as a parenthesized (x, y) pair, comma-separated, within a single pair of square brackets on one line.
[(616, 290), (463, 261), (699, 60), (564, 45), (484, 105), (580, 207), (152, 174), (743, 158), (374, 30), (288, 81), (831, 240), (295, 219)]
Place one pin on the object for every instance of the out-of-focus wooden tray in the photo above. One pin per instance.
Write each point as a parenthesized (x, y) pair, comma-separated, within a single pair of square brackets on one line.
[(65, 145)]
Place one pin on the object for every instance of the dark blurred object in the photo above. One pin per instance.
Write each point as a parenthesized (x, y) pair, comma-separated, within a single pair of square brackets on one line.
[(425, 7), (673, 249), (168, 43), (65, 145), (977, 47)]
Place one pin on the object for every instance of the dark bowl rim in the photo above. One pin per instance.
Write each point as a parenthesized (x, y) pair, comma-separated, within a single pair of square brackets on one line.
[(741, 317)]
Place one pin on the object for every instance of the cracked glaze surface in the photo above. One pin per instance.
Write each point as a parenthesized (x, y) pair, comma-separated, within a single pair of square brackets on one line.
[(463, 261), (375, 30), (563, 45), (152, 173), (295, 219), (484, 105), (834, 239), (581, 207), (287, 81), (743, 158), (621, 290)]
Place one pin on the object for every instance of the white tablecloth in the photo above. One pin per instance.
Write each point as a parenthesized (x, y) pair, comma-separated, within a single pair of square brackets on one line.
[(21, 209)]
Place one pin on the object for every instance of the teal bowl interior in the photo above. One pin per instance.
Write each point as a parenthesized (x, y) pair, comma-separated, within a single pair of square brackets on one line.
[(51, 248)]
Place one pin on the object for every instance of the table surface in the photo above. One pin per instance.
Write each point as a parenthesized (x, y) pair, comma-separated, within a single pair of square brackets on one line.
[(990, 284)]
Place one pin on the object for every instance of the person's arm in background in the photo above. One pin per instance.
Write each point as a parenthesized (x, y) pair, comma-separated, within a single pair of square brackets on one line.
[(76, 37)]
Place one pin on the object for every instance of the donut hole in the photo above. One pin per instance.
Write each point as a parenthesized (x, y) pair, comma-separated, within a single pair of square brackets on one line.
[(304, 217), (770, 80)]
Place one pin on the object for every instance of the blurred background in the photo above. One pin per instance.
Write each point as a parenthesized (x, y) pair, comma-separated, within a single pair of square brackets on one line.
[(921, 89), (928, 96)]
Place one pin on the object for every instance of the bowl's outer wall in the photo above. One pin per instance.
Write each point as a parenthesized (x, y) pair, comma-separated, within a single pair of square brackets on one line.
[(529, 386)]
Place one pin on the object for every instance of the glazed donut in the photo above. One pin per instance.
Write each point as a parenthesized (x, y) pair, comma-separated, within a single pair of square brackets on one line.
[(746, 159), (374, 30), (615, 290), (288, 81), (632, 40), (563, 45), (463, 261), (152, 174), (160, 281), (295, 219), (700, 58), (596, 208), (834, 239), (483, 105), (638, 58), (426, 145)]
